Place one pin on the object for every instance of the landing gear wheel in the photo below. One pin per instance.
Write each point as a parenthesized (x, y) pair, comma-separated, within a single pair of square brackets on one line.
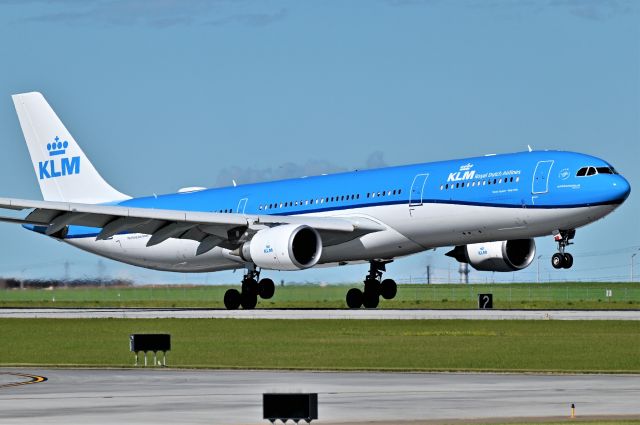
[(250, 286), (557, 260), (371, 299), (248, 300), (354, 298), (372, 285), (266, 289), (388, 289), (232, 299), (567, 261)]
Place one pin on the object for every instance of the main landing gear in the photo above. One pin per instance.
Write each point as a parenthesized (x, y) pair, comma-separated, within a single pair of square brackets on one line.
[(373, 288), (251, 290), (561, 259)]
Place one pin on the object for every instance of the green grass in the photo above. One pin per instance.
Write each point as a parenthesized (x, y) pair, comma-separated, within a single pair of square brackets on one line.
[(506, 296), (421, 345)]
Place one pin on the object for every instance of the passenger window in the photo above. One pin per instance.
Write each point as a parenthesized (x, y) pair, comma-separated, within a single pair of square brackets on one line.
[(399, 191)]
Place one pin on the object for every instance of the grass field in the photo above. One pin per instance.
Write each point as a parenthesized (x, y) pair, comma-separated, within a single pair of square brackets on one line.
[(433, 345), (506, 296)]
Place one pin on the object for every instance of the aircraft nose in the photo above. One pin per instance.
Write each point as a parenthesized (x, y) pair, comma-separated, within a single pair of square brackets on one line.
[(621, 188)]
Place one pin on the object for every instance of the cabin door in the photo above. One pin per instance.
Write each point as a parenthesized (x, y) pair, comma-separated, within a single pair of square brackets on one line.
[(417, 191), (540, 182), (242, 205)]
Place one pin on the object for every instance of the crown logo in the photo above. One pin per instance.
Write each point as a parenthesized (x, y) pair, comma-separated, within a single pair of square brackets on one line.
[(57, 147), (466, 167)]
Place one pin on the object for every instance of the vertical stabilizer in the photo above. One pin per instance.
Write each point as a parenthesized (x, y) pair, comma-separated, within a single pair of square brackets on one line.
[(63, 171)]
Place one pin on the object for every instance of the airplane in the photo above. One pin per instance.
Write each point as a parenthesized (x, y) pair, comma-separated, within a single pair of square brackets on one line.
[(488, 208)]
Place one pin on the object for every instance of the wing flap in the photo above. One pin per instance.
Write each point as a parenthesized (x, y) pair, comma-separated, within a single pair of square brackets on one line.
[(119, 224)]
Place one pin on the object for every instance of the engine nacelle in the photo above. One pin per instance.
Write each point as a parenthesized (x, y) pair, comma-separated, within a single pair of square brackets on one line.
[(286, 247), (500, 256)]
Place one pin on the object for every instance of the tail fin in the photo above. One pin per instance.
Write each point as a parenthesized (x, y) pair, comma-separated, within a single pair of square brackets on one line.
[(62, 169)]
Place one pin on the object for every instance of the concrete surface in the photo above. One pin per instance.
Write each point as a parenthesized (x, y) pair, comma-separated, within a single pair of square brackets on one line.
[(153, 313), (165, 396)]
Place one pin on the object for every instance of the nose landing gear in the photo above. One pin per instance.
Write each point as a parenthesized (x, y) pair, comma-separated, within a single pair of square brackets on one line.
[(562, 259), (373, 288), (252, 288)]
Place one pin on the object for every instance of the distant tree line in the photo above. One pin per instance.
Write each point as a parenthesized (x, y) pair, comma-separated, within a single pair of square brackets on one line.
[(12, 283)]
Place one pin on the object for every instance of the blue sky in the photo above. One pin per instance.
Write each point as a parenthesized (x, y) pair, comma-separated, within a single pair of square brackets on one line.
[(172, 93)]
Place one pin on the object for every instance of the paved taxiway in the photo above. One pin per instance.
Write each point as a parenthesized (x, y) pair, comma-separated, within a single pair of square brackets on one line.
[(233, 397), (152, 313)]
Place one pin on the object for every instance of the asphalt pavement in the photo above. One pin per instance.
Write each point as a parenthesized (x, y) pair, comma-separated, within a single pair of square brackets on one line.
[(167, 396)]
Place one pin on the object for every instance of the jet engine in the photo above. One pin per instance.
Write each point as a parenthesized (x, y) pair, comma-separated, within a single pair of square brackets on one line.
[(500, 256), (286, 247)]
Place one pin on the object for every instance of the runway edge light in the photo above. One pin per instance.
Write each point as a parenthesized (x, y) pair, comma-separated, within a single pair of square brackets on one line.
[(573, 410)]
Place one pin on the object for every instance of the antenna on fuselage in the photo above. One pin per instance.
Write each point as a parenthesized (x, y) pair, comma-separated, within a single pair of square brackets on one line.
[(529, 146), (234, 182)]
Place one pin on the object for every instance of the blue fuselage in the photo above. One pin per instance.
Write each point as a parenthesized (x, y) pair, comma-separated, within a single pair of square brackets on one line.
[(544, 179)]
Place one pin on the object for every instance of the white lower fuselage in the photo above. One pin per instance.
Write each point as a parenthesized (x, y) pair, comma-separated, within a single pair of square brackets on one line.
[(409, 230)]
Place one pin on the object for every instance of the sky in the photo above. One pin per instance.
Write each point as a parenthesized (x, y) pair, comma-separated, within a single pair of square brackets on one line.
[(166, 94)]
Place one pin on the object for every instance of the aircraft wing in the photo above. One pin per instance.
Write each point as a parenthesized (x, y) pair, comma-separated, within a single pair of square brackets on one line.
[(209, 228)]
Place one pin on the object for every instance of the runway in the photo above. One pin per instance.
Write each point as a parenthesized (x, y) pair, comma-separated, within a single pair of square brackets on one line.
[(155, 313), (149, 396)]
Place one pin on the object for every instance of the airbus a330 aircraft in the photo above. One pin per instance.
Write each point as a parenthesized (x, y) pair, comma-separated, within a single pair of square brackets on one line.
[(488, 208)]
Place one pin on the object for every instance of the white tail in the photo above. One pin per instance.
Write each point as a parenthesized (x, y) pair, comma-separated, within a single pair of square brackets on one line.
[(63, 170)]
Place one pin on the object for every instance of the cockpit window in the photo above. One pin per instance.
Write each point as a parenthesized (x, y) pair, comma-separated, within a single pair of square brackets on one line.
[(592, 171)]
